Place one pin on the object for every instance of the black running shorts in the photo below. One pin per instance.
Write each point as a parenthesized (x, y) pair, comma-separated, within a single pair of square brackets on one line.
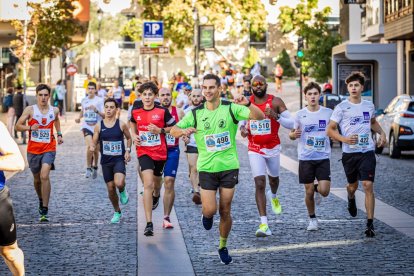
[(110, 169), (309, 170), (213, 181), (7, 222), (191, 149), (87, 132), (359, 166), (147, 163)]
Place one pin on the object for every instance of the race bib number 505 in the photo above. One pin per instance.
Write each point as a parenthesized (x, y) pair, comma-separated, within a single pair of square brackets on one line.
[(218, 142)]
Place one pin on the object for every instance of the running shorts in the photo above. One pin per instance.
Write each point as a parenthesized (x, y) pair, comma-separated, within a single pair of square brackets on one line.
[(264, 165), (37, 160), (87, 132), (225, 179), (7, 222), (147, 163), (110, 169), (359, 166), (309, 170), (173, 158), (191, 149)]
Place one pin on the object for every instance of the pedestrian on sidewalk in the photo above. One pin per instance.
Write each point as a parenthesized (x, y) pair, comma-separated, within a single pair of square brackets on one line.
[(110, 133), (8, 103), (41, 150), (19, 104), (214, 125), (10, 160)]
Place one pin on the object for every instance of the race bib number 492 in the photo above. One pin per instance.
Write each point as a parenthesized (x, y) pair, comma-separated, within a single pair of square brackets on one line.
[(170, 139), (218, 142)]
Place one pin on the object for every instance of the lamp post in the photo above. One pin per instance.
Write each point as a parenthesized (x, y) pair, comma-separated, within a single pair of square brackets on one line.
[(100, 14), (196, 24)]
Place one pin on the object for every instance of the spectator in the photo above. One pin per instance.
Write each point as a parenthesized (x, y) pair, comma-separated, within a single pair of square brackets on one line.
[(89, 79), (60, 93), (19, 104)]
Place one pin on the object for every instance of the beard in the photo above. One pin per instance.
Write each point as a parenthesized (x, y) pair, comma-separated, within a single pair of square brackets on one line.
[(260, 93)]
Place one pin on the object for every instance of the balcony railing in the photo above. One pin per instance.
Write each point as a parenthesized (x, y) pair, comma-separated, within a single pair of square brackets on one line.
[(399, 14)]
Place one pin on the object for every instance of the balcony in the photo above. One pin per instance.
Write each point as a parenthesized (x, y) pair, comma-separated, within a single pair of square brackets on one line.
[(399, 19)]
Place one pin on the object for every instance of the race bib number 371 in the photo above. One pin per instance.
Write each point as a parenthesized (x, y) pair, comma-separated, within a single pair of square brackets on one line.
[(149, 139), (218, 142)]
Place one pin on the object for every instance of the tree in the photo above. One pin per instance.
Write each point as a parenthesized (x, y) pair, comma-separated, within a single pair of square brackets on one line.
[(284, 60), (251, 58), (305, 21)]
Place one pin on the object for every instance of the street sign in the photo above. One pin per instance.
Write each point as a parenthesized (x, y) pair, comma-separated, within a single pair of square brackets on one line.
[(154, 51), (153, 33), (206, 37), (71, 69)]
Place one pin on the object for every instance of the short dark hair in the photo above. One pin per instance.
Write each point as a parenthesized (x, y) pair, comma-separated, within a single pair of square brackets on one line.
[(41, 87), (356, 76), (212, 77), (111, 100), (310, 86), (148, 85), (91, 83)]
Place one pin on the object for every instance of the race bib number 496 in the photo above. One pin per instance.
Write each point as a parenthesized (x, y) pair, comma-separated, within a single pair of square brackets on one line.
[(218, 142), (149, 139), (41, 136)]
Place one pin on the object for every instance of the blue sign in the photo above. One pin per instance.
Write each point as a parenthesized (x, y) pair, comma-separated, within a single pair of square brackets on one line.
[(153, 32)]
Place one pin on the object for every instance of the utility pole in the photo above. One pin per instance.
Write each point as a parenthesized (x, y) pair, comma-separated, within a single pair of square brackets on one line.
[(298, 63)]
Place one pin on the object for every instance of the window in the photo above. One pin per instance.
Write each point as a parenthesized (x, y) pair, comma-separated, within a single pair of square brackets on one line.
[(258, 41)]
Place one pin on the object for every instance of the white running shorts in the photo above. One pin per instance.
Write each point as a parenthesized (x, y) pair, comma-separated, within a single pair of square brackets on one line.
[(264, 165)]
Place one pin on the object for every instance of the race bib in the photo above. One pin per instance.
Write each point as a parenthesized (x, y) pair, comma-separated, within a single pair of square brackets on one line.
[(41, 136), (113, 148), (170, 139), (363, 142), (149, 139), (261, 127), (91, 117), (217, 142), (315, 143)]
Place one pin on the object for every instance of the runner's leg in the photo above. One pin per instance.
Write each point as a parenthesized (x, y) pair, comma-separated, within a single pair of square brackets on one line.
[(169, 194), (209, 207), (89, 154), (45, 183), (309, 198), (14, 258), (369, 198), (148, 177), (113, 196), (226, 197)]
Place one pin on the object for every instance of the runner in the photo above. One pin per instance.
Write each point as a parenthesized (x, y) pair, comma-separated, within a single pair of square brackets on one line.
[(92, 111), (118, 93), (173, 158), (110, 134), (196, 99), (313, 150), (278, 77), (215, 126), (10, 160), (356, 118), (41, 149), (264, 148), (149, 124)]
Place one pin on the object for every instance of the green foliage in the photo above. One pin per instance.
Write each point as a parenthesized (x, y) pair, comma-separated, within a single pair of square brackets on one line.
[(133, 29), (251, 58), (305, 21), (284, 61)]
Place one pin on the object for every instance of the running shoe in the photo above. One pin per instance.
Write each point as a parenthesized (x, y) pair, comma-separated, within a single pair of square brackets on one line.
[(149, 229), (276, 207), (197, 198), (116, 218), (317, 198), (94, 173), (370, 232), (44, 218), (352, 208), (124, 198), (40, 209), (155, 201), (225, 258), (207, 222), (88, 173), (263, 231), (313, 224), (167, 224)]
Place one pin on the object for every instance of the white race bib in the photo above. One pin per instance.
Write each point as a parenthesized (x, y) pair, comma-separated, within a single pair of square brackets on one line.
[(315, 143), (217, 142), (90, 117), (149, 139), (112, 147), (261, 127), (363, 142), (170, 139), (41, 136)]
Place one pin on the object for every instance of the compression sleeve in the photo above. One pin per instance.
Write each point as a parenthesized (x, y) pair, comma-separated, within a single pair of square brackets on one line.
[(286, 120)]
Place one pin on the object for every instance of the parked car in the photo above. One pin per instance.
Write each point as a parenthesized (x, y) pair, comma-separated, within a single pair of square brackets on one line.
[(397, 121)]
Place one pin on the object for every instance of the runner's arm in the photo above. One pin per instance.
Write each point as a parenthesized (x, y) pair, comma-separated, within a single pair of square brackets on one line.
[(11, 159), (127, 134), (95, 137), (375, 126), (285, 119), (21, 123), (332, 131), (57, 121)]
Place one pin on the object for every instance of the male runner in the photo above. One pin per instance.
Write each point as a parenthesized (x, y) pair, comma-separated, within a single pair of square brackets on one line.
[(314, 149), (118, 94), (110, 134), (196, 99), (356, 118), (264, 148), (92, 111), (149, 124), (41, 150), (173, 158), (10, 160), (215, 126)]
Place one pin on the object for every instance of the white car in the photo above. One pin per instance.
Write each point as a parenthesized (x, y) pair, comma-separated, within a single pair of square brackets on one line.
[(397, 121)]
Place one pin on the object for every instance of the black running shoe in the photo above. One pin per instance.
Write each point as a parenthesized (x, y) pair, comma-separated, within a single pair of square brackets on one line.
[(370, 232), (155, 201), (149, 229), (224, 256), (352, 209), (207, 222)]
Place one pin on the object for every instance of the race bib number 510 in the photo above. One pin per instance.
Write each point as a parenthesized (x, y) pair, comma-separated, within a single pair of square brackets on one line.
[(218, 142), (261, 127)]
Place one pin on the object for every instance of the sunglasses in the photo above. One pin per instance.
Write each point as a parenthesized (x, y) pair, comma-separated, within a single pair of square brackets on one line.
[(258, 83)]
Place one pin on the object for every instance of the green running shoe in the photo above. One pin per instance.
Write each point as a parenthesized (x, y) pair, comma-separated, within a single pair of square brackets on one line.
[(116, 218), (263, 231), (44, 218), (124, 197), (276, 207)]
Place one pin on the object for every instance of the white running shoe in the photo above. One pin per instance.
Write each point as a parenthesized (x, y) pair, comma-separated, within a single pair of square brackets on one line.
[(88, 173), (313, 224), (263, 231), (94, 173)]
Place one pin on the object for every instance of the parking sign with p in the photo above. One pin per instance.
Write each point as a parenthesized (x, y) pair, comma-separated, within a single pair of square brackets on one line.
[(153, 33)]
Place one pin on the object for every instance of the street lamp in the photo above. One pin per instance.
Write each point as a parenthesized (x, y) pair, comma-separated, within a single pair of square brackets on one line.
[(196, 24), (100, 14)]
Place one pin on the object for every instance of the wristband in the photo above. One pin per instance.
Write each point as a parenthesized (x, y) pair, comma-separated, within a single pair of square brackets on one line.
[(59, 134), (162, 130), (247, 105)]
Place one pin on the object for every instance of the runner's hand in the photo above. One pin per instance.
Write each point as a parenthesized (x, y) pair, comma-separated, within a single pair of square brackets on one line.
[(93, 108), (60, 140), (298, 133), (242, 100), (186, 139), (244, 132), (127, 156), (269, 112), (137, 141), (154, 129), (35, 127), (352, 139), (77, 120), (189, 131), (92, 148), (382, 140)]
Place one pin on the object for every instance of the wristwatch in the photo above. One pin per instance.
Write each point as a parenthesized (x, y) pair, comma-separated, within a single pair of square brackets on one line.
[(163, 130)]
